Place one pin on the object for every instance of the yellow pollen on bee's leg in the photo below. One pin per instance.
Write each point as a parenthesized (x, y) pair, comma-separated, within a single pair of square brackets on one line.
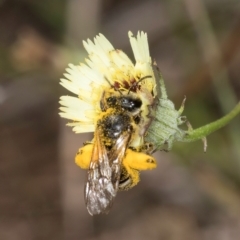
[(139, 161), (83, 156), (134, 175)]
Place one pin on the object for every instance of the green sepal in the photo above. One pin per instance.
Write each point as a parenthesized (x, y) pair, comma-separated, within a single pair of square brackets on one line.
[(164, 129)]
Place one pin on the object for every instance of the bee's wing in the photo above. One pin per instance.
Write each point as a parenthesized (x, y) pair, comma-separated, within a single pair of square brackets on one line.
[(104, 173)]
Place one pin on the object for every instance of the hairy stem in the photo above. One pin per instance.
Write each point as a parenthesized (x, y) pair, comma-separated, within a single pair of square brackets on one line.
[(199, 133)]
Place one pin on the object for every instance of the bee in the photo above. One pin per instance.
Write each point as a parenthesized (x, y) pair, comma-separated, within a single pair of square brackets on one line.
[(112, 161)]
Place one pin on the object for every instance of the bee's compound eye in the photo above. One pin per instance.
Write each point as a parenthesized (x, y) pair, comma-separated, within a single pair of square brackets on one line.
[(124, 101), (130, 104), (137, 103)]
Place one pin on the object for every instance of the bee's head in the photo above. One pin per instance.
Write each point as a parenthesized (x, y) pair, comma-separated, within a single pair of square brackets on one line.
[(130, 103), (124, 102)]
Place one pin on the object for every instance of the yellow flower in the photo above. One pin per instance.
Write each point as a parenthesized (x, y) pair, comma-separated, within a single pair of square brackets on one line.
[(107, 68)]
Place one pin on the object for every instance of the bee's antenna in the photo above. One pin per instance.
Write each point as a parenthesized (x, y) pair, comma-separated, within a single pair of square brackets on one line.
[(108, 81), (116, 89), (136, 83)]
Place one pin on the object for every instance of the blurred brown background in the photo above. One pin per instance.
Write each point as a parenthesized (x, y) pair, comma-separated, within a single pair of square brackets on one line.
[(191, 195)]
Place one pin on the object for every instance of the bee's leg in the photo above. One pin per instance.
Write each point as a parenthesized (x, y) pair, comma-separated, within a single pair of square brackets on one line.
[(134, 162), (147, 148), (132, 177), (139, 161), (87, 142), (83, 156), (204, 139)]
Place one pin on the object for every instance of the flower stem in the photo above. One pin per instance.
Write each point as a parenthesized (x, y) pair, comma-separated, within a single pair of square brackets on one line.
[(199, 133)]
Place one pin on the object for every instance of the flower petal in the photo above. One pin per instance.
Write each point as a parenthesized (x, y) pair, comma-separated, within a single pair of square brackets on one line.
[(140, 47), (105, 69)]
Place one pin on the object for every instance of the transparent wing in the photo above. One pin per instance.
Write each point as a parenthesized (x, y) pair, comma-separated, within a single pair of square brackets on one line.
[(104, 173)]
